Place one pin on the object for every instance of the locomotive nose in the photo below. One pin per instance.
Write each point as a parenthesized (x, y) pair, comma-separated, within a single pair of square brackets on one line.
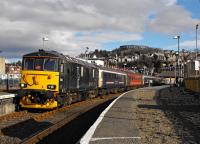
[(40, 80)]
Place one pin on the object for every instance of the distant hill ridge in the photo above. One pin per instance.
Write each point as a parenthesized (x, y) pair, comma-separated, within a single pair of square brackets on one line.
[(126, 50), (131, 49)]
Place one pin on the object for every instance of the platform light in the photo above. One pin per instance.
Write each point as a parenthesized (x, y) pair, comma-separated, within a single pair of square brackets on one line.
[(44, 39), (177, 37), (196, 40), (196, 44)]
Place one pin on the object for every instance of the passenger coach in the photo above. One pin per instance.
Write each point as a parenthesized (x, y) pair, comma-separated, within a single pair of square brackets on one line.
[(111, 81)]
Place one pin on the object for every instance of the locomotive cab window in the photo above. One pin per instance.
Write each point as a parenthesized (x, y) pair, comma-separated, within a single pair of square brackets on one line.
[(28, 64), (40, 64), (50, 64)]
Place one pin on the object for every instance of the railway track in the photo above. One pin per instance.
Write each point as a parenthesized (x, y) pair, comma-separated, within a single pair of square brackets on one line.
[(31, 127), (12, 115), (14, 118)]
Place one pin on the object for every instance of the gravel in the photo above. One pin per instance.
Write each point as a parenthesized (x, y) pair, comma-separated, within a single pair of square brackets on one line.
[(170, 115)]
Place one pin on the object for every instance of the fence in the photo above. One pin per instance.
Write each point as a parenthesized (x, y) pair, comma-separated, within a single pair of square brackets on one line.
[(9, 82)]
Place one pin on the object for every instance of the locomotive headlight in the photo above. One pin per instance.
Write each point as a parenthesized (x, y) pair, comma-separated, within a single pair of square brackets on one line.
[(51, 86), (23, 85)]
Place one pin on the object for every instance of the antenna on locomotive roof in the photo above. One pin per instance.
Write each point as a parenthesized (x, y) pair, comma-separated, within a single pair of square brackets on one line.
[(43, 40)]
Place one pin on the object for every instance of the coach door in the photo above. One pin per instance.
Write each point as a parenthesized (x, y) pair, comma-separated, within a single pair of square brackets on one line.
[(78, 77)]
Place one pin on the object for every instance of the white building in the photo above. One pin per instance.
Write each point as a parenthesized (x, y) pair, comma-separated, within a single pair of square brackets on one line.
[(2, 65), (94, 60)]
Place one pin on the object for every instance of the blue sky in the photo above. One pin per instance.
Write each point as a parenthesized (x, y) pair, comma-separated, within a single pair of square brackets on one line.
[(191, 5), (162, 40), (72, 25)]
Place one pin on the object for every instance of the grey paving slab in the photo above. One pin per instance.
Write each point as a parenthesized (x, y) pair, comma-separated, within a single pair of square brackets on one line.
[(117, 126)]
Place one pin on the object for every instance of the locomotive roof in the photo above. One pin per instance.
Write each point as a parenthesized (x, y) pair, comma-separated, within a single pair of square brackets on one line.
[(43, 53), (78, 61)]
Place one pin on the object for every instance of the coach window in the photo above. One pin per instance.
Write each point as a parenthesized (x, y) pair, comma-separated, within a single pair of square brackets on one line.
[(104, 75), (113, 76)]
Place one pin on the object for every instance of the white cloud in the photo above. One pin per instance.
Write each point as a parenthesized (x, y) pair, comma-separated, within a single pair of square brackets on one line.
[(23, 23), (102, 37), (172, 20), (187, 45), (70, 43), (171, 2)]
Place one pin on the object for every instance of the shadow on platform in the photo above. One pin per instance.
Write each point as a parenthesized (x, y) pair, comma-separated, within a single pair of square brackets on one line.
[(24, 129)]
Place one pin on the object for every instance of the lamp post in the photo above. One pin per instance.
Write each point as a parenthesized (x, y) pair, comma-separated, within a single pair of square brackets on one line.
[(43, 40), (87, 48), (177, 37), (196, 46), (124, 66), (116, 59), (196, 41)]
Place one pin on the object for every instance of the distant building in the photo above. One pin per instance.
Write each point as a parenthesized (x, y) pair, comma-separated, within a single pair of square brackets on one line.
[(10, 69), (160, 56), (189, 69), (2, 65), (95, 60)]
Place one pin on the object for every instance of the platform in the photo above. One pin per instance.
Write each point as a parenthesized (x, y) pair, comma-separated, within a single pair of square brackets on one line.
[(116, 123), (4, 95)]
